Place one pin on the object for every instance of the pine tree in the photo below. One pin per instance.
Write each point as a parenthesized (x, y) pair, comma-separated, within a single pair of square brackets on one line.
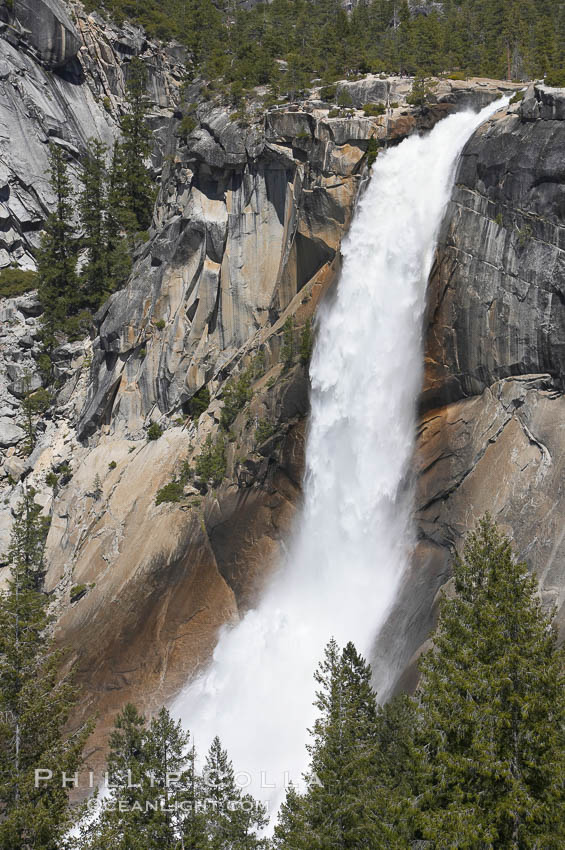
[(492, 700), (292, 831), (56, 260), (340, 808), (232, 818), (135, 148), (92, 207), (118, 223), (154, 797), (306, 343), (287, 347), (34, 702)]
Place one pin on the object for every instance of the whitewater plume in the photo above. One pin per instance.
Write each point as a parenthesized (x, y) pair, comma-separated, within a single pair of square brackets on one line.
[(353, 538)]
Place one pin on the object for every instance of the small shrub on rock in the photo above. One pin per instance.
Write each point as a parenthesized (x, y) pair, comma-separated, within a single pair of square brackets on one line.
[(171, 492), (344, 98), (371, 109), (210, 465), (264, 431), (555, 78), (236, 393), (199, 403), (154, 431), (14, 282)]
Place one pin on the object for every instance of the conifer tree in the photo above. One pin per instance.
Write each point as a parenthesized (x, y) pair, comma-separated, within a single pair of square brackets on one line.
[(232, 818), (92, 207), (340, 809), (119, 222), (135, 148), (34, 702), (492, 700), (56, 260), (292, 831), (151, 773)]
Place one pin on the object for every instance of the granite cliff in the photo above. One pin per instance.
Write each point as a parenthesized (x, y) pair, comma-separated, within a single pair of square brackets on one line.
[(491, 433), (246, 234)]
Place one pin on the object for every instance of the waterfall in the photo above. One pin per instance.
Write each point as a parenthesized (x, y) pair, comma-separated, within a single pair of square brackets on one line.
[(353, 538)]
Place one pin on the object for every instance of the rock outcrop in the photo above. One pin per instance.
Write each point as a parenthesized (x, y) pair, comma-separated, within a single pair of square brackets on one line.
[(491, 435), (48, 29), (82, 99)]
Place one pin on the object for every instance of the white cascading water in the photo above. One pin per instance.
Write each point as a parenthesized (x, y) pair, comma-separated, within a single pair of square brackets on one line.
[(353, 538)]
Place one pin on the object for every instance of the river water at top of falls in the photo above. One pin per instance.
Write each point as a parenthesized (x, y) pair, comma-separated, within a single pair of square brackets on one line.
[(353, 537)]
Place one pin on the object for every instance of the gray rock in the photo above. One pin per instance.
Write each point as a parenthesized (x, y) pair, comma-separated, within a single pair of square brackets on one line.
[(543, 102), (10, 434), (15, 467), (22, 382), (509, 200), (49, 29), (491, 434), (369, 90)]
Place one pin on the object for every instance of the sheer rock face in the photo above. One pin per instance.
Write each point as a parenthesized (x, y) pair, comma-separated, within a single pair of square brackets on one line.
[(492, 430), (81, 99), (49, 30), (246, 219)]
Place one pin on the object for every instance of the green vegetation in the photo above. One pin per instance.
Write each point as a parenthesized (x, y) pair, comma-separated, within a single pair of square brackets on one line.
[(154, 431), (372, 151), (199, 403), (288, 344), (374, 109), (306, 343), (206, 810), (34, 404), (14, 282), (210, 465), (517, 97), (52, 479), (112, 464), (263, 431), (475, 759), (115, 206), (420, 91), (235, 394), (555, 78), (328, 93), (171, 492), (344, 99), (34, 703), (78, 591), (317, 39), (57, 258), (492, 701)]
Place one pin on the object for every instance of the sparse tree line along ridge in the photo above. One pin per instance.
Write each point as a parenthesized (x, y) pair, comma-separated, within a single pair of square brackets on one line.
[(242, 48), (475, 759)]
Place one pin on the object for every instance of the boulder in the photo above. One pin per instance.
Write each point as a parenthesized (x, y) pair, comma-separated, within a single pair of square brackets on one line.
[(543, 102), (49, 30), (10, 433), (371, 89)]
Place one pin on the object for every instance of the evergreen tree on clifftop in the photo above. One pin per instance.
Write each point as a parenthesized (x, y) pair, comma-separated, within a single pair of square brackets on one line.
[(492, 705)]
